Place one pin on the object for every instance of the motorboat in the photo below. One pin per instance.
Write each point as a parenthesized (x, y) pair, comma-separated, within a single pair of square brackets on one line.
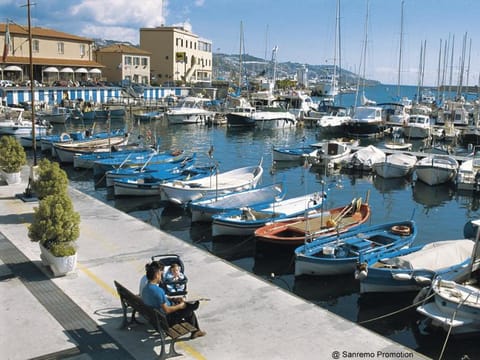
[(366, 122), (365, 158), (436, 169), (331, 152), (189, 111), (418, 127), (395, 165)]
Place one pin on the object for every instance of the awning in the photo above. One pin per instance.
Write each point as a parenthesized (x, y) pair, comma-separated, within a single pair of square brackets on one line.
[(51, 69), (13, 68), (95, 71), (81, 70), (66, 70)]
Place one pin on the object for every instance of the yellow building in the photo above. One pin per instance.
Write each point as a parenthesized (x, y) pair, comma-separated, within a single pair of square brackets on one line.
[(123, 62), (177, 55), (55, 55)]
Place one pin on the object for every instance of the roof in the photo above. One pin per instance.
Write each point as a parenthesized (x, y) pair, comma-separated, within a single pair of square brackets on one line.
[(41, 32), (53, 62), (123, 49)]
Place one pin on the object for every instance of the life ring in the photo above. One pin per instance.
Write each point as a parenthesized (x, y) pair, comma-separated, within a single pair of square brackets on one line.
[(64, 137), (403, 230)]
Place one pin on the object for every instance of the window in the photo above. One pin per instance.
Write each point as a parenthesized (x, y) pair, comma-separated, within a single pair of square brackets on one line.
[(82, 50), (136, 61), (35, 46), (128, 60), (145, 61), (60, 47), (176, 41)]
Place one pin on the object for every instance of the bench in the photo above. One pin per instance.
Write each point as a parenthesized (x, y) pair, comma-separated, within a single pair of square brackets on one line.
[(156, 318)]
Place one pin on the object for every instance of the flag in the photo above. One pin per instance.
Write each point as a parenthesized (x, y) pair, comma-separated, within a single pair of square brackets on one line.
[(8, 41)]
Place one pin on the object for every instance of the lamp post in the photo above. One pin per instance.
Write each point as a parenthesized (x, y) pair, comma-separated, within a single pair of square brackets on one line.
[(32, 94)]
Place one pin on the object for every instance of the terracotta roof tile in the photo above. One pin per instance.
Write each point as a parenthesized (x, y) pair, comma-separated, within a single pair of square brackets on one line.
[(57, 62), (41, 32), (124, 49)]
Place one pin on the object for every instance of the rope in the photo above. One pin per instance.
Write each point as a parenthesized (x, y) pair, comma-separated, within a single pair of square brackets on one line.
[(398, 311)]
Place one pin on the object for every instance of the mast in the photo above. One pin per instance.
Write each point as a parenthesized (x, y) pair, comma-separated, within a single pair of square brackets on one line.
[(400, 52), (439, 67), (363, 60), (240, 60), (32, 94), (333, 90), (451, 66)]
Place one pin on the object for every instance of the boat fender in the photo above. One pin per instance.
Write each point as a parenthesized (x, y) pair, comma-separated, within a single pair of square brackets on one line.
[(402, 230), (361, 272), (423, 280), (401, 276)]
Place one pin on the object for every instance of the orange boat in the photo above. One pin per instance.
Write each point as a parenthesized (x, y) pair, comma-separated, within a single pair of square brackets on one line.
[(297, 231)]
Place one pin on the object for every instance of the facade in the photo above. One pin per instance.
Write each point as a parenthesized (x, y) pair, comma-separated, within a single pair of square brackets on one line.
[(123, 62), (55, 55), (177, 55)]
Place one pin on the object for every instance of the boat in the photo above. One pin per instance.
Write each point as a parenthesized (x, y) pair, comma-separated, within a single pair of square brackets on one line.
[(241, 116), (58, 114), (244, 221), (66, 151), (366, 122), (87, 160), (436, 169), (468, 176), (150, 184), (331, 152), (203, 209), (297, 103), (456, 303), (395, 165), (394, 115), (150, 115), (339, 254), (397, 142), (418, 127), (290, 153), (189, 111), (413, 268), (182, 192), (296, 231), (334, 122), (13, 123), (364, 159)]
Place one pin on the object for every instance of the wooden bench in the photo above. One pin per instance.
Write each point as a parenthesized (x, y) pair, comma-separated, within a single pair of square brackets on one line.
[(156, 318)]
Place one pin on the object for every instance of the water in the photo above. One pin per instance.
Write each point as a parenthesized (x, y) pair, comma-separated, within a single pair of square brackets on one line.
[(440, 213)]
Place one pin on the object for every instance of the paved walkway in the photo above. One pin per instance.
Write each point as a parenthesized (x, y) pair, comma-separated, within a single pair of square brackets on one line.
[(78, 316)]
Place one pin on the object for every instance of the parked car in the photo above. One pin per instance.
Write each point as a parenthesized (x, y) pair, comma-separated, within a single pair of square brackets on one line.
[(6, 83)]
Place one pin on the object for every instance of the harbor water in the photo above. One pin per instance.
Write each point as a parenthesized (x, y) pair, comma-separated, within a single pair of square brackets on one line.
[(439, 211)]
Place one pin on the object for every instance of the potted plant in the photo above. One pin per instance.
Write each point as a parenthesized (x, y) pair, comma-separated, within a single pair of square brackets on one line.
[(12, 158), (49, 179)]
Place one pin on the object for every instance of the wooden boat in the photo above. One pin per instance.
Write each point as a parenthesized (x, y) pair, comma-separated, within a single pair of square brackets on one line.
[(244, 221), (321, 223), (87, 160), (182, 192), (395, 165), (203, 209), (412, 268), (339, 254), (436, 169)]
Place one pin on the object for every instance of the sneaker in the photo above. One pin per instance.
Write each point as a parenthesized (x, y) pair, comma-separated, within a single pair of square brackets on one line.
[(197, 334)]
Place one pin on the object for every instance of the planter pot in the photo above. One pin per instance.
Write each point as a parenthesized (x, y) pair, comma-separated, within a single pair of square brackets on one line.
[(11, 178), (59, 265)]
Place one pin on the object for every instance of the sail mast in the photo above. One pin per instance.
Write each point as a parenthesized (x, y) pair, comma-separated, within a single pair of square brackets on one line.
[(400, 52)]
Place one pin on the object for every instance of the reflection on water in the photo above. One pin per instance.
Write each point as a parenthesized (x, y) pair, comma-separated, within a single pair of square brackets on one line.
[(442, 216)]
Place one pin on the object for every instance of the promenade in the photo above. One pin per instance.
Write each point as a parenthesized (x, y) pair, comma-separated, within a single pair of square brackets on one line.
[(79, 316)]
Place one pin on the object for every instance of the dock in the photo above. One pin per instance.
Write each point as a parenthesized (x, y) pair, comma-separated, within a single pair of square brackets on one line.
[(78, 316)]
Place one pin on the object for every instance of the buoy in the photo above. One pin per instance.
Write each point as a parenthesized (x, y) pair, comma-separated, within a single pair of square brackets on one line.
[(400, 230)]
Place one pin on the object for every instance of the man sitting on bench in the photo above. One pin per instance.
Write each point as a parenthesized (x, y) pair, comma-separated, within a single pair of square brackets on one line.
[(154, 296)]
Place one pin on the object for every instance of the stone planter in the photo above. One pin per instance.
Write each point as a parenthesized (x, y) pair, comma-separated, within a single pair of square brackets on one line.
[(60, 266), (11, 178)]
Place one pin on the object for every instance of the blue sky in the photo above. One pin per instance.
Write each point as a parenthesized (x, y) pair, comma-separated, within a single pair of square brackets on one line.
[(303, 30)]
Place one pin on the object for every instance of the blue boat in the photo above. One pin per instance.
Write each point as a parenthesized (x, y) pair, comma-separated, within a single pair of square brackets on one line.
[(203, 209), (244, 221), (87, 160), (339, 254), (412, 268)]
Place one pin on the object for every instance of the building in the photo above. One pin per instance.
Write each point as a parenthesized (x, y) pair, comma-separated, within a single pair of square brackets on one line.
[(124, 62), (177, 55), (302, 76), (55, 55)]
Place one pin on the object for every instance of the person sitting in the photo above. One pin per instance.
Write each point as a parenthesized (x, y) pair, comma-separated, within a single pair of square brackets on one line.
[(177, 310), (174, 280), (144, 280)]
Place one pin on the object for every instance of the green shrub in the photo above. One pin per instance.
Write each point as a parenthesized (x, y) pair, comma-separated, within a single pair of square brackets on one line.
[(50, 179), (12, 154), (55, 224)]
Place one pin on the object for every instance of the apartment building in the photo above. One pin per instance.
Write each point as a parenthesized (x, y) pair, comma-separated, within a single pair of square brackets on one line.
[(124, 62), (55, 55), (177, 55)]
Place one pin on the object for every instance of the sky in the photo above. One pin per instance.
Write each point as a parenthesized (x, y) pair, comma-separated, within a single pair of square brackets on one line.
[(303, 30)]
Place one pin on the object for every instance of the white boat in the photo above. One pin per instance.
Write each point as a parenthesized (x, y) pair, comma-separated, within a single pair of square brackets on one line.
[(334, 122), (203, 209), (366, 122), (395, 165), (410, 269), (365, 158), (189, 111), (468, 176), (456, 305), (394, 115), (182, 192), (397, 143), (297, 103), (66, 151), (244, 221), (56, 115), (418, 127), (12, 123), (331, 152), (436, 169)]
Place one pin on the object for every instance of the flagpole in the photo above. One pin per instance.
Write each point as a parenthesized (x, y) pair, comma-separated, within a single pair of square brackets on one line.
[(32, 94)]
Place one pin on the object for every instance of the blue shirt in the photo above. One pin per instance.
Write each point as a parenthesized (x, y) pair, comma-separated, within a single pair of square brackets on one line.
[(154, 296)]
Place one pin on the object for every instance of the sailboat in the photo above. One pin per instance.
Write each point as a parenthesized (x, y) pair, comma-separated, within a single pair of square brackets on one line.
[(367, 119)]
